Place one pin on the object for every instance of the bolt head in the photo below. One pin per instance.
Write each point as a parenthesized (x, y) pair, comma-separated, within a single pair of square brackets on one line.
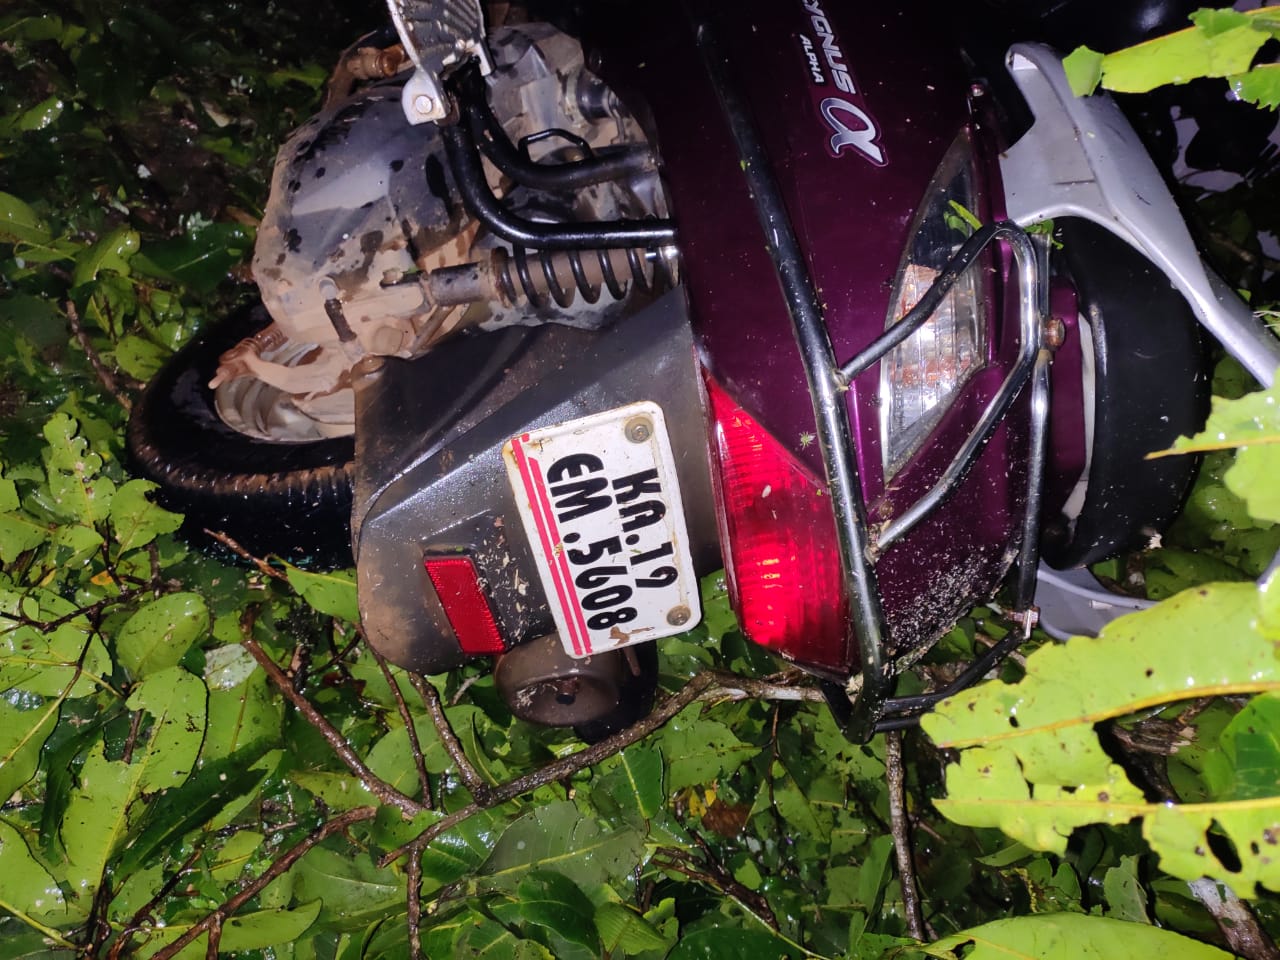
[(638, 429), (423, 104), (678, 616)]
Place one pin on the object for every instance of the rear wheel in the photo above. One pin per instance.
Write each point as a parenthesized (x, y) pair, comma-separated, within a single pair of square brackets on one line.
[(288, 498), (1149, 386)]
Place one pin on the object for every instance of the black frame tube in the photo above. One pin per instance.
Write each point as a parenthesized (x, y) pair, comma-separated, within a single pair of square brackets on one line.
[(468, 173), (551, 177)]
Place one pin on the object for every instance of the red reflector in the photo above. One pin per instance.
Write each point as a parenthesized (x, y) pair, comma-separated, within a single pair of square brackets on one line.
[(458, 586), (779, 541)]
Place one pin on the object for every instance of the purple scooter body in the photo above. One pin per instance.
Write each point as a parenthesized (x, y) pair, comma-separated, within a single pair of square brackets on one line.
[(852, 206)]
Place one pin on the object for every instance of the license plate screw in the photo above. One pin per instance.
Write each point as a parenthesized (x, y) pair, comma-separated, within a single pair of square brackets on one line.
[(678, 615), (638, 429)]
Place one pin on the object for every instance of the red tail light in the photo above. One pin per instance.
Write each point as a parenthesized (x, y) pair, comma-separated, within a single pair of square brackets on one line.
[(458, 586), (779, 541)]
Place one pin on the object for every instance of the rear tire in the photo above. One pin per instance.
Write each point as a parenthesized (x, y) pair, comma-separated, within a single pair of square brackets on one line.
[(1150, 387), (291, 499)]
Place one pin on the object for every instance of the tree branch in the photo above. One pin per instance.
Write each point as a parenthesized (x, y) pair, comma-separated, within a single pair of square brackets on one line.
[(375, 784), (419, 762), (108, 379), (471, 779), (712, 686), (278, 866), (895, 774)]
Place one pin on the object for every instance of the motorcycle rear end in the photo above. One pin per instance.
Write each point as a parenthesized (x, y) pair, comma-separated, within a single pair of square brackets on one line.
[(567, 317)]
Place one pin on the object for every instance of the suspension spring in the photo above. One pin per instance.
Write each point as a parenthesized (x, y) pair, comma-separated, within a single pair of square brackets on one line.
[(544, 277)]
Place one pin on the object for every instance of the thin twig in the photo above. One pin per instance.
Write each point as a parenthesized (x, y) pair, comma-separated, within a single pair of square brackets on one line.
[(896, 776), (135, 923), (263, 566), (419, 762), (108, 379), (471, 779), (375, 784), (710, 686), (414, 881), (278, 866)]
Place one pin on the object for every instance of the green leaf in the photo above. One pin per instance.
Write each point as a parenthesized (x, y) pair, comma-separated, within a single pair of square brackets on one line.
[(1251, 423), (113, 795), (551, 900), (489, 940), (138, 521), (1260, 85), (1245, 765), (1084, 70), (240, 932), (332, 593), (556, 836), (22, 734), (728, 943), (1214, 22), (622, 928), (353, 889), (75, 489), (459, 851), (19, 532), (200, 259), (139, 357), (19, 223), (182, 809), (700, 750), (1031, 763), (634, 782), (112, 252), (1069, 936), (1126, 900), (26, 888), (160, 633), (1180, 57)]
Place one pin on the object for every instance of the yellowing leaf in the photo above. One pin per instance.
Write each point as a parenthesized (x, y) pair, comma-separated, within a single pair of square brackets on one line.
[(1031, 763)]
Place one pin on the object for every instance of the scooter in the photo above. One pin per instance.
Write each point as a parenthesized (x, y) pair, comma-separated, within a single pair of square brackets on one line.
[(564, 316)]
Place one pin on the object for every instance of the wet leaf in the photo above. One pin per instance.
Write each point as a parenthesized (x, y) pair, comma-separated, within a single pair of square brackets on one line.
[(19, 223), (113, 794), (1245, 765), (138, 521), (1126, 900), (553, 901), (700, 750), (557, 836), (112, 252), (1260, 85), (22, 734), (247, 931), (1180, 57), (26, 888), (76, 491), (332, 593), (728, 943), (1031, 763), (635, 782), (200, 259), (160, 633), (1069, 936), (352, 888), (622, 928)]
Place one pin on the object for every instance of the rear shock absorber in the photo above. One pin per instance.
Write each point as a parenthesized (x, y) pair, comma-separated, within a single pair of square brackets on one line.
[(547, 277), (559, 276)]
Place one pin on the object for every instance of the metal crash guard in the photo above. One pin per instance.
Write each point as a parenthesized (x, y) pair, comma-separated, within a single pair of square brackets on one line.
[(864, 707)]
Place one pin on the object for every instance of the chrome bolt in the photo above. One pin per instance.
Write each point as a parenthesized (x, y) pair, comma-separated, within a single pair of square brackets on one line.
[(423, 104), (678, 616), (638, 430), (977, 90)]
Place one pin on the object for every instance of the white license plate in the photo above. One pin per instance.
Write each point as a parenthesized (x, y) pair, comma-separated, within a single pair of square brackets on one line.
[(601, 506)]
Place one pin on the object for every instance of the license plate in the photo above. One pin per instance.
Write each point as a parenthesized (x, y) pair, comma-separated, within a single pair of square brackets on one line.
[(600, 504)]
